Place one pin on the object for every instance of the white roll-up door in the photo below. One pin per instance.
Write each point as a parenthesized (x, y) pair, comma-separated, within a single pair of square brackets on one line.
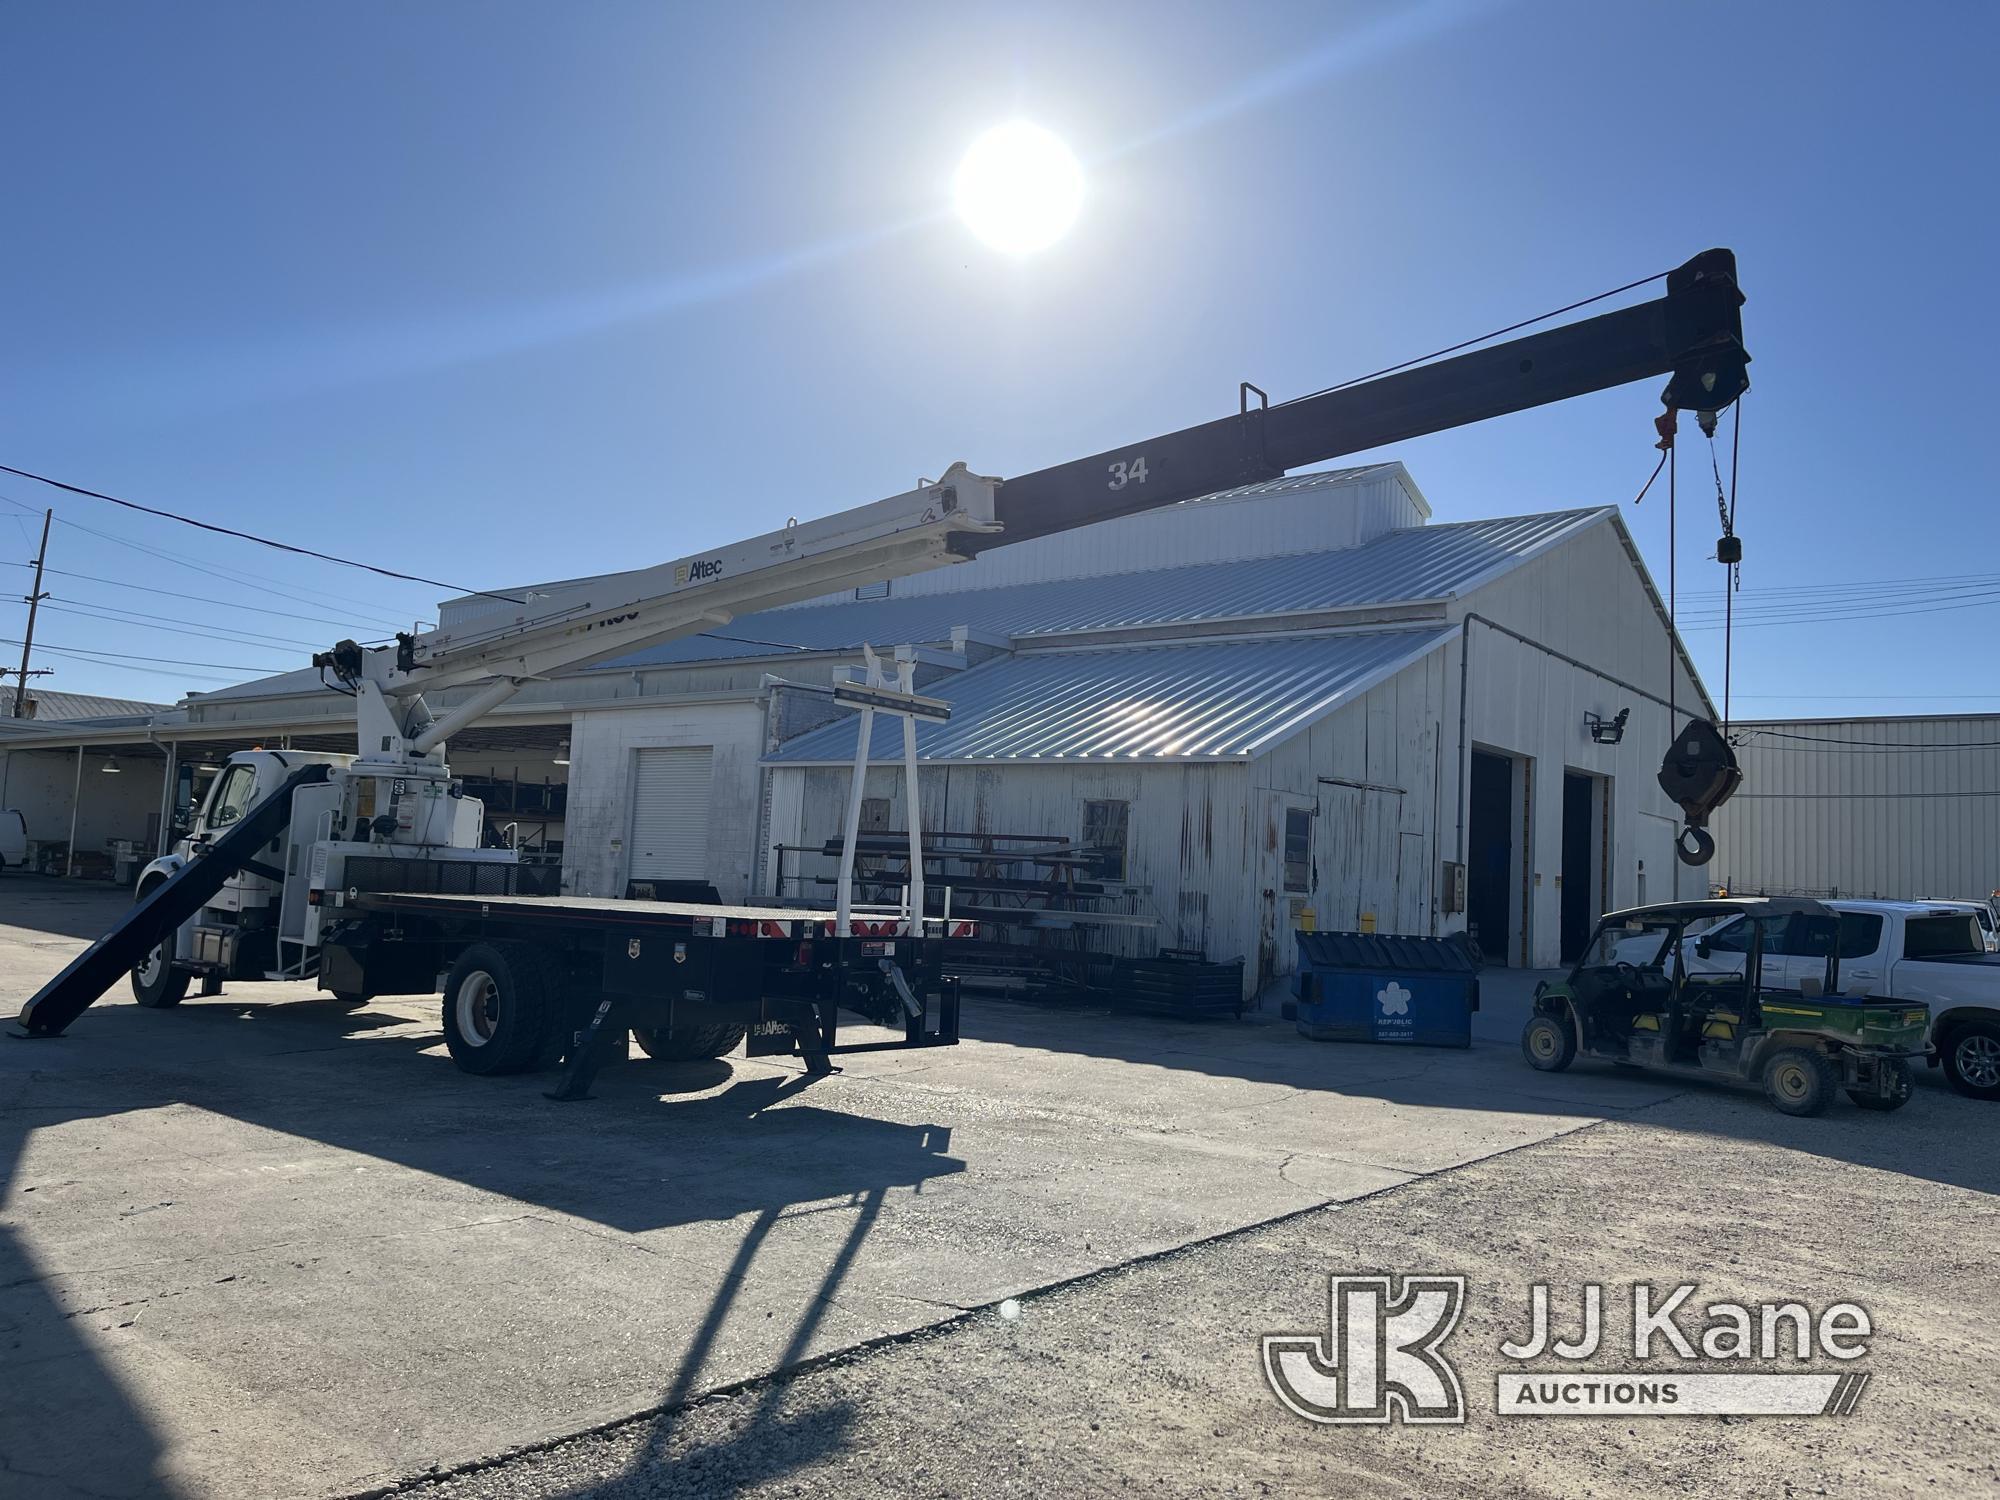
[(670, 795)]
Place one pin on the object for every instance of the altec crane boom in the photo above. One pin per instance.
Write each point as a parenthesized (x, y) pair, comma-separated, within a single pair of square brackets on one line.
[(395, 807)]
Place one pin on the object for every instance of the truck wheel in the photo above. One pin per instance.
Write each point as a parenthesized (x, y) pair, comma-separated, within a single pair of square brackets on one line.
[(686, 1043), (1894, 1092), (1799, 1080), (1972, 1060), (501, 1002), (1548, 1044), (156, 983)]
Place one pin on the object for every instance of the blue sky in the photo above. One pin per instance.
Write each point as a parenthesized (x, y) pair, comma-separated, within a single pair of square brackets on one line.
[(489, 292)]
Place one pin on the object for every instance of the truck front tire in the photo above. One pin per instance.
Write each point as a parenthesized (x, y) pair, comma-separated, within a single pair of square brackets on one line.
[(156, 983), (688, 1043), (502, 1002), (1971, 1059)]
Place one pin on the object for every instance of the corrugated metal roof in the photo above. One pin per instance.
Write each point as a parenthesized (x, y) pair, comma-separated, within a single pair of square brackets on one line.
[(1419, 563), (57, 706), (1225, 701)]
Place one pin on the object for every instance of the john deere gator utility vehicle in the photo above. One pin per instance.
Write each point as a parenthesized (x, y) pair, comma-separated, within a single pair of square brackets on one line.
[(1652, 991)]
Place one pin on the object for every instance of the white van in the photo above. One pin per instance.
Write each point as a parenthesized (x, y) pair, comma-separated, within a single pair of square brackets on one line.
[(13, 839)]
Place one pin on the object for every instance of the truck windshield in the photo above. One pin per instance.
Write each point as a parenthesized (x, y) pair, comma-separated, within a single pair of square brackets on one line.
[(1942, 937), (231, 798)]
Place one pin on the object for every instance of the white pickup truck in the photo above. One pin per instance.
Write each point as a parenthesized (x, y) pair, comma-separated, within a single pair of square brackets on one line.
[(1899, 950)]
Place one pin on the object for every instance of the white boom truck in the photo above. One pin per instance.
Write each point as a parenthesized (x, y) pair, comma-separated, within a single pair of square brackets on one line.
[(364, 870)]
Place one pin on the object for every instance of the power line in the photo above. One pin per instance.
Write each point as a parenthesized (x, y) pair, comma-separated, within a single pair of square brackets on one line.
[(1887, 745), (169, 629), (233, 576), (140, 588), (140, 617), (249, 536), (169, 660)]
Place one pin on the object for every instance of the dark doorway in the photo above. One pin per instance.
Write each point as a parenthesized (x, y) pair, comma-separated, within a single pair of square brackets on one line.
[(1489, 874), (1579, 866)]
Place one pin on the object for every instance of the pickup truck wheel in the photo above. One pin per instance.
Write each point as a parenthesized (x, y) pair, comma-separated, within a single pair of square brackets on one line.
[(501, 1002), (1548, 1044), (156, 983), (1972, 1060), (687, 1043), (1894, 1092), (1799, 1080)]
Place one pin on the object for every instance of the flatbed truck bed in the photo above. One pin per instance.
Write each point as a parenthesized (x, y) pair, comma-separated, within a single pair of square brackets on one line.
[(686, 978)]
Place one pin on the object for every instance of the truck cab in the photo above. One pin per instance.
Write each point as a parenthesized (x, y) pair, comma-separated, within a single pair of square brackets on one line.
[(236, 932)]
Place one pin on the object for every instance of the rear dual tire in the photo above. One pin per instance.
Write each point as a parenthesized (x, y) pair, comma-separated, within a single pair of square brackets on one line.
[(503, 1008)]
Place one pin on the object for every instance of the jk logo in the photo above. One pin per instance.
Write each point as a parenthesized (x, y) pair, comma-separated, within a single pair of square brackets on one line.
[(1380, 1360)]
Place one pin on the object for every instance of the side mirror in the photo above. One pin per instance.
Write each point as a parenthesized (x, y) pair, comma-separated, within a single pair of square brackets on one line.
[(1702, 947)]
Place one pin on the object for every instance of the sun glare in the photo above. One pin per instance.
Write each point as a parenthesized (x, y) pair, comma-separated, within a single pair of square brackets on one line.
[(1018, 188)]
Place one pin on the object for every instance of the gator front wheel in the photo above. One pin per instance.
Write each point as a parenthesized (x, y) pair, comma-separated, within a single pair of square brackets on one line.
[(1548, 1044)]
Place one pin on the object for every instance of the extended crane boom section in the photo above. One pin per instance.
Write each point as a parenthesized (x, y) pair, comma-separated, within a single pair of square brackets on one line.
[(1694, 333)]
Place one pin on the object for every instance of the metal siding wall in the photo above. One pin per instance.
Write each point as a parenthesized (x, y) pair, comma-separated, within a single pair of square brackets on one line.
[(1373, 849), (1867, 821), (1581, 598)]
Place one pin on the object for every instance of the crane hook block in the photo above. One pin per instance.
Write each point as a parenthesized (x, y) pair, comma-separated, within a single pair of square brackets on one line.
[(1699, 774)]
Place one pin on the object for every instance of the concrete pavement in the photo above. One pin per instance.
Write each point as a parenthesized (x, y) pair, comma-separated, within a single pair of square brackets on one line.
[(265, 1245)]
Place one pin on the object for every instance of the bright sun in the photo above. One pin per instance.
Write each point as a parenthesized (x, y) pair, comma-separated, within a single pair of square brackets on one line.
[(1018, 188)]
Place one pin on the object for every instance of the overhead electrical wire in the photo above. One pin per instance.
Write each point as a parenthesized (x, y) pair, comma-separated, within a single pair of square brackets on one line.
[(211, 635), (141, 617), (270, 586), (140, 588), (250, 536), (224, 666)]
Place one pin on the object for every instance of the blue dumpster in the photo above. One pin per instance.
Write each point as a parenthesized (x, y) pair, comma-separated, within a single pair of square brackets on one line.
[(1378, 987)]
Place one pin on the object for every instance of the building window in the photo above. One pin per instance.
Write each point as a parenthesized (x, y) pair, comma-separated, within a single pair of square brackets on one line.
[(1104, 827), (1298, 849), (872, 590)]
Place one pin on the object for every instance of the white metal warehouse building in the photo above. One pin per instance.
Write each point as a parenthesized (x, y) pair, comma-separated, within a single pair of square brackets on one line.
[(1301, 701), (1901, 807)]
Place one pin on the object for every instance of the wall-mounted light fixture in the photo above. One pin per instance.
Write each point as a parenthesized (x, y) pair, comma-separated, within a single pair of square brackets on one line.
[(1607, 731), (111, 767), (562, 752)]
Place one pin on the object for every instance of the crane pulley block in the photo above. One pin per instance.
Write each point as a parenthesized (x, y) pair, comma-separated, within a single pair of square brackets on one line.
[(1699, 774)]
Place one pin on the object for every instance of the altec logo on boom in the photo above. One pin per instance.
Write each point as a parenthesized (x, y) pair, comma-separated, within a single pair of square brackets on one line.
[(1382, 1359)]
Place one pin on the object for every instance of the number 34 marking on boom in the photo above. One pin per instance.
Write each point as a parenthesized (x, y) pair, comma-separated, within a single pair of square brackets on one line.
[(1124, 473)]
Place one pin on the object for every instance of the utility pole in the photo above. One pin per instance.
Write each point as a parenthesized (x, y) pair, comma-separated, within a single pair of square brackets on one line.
[(35, 597)]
